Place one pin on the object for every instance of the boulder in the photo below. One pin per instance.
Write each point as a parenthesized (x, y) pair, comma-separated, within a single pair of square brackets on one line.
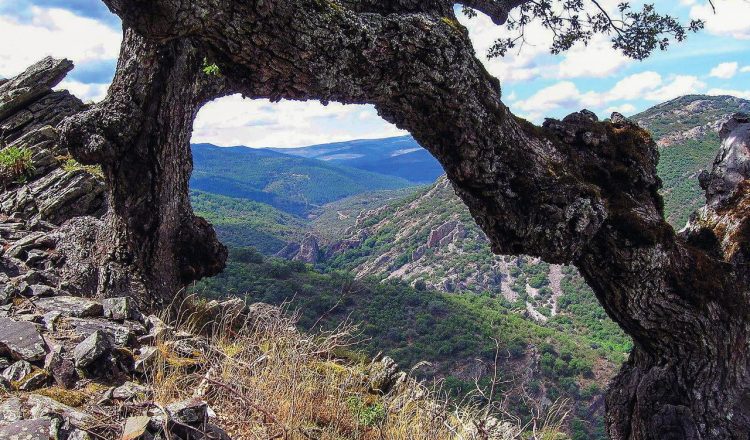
[(70, 306), (119, 309), (21, 340), (123, 334), (37, 80), (91, 349)]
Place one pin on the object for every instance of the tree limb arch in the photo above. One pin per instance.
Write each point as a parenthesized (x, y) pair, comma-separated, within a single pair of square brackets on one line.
[(575, 191)]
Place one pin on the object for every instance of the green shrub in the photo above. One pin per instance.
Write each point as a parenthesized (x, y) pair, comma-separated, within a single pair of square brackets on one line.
[(16, 164), (366, 414)]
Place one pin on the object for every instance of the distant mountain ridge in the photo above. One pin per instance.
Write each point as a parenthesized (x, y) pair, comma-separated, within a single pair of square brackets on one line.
[(398, 156), (293, 184)]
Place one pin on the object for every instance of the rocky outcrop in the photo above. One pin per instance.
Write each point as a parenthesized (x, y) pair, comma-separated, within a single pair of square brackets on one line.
[(29, 113), (308, 251)]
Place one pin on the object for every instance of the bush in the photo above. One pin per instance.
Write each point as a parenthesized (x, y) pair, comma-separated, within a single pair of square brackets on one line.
[(15, 164)]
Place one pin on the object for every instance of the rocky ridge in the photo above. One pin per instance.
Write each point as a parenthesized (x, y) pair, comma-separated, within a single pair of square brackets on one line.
[(68, 362)]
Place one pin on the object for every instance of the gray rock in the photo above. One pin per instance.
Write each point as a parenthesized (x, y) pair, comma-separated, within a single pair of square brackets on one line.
[(39, 291), (62, 369), (129, 391), (20, 248), (119, 309), (190, 412), (70, 306), (17, 371), (34, 82), (10, 410), (136, 428), (384, 375), (122, 334), (37, 379), (35, 429), (147, 356), (21, 340), (44, 407), (91, 349), (78, 434)]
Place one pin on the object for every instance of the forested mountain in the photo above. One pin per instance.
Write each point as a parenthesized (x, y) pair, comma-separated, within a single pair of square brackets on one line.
[(292, 184), (399, 156)]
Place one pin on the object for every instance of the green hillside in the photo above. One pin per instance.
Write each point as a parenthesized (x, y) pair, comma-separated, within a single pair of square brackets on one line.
[(292, 184), (686, 131), (569, 356), (241, 222)]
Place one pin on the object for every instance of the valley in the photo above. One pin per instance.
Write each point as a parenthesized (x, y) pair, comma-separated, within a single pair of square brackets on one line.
[(409, 265)]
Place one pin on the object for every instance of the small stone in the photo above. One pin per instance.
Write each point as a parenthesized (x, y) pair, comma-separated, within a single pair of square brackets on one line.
[(129, 391), (158, 330), (10, 410), (63, 370), (189, 411), (136, 428), (39, 291), (35, 429), (118, 309), (146, 358), (70, 306), (37, 379), (17, 371), (50, 319), (21, 339), (78, 434), (91, 349)]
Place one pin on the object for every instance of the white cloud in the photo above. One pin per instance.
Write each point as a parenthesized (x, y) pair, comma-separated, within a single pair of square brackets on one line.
[(731, 18), (523, 65), (55, 32), (745, 69), (597, 59), (738, 93), (680, 85), (634, 86), (85, 92), (724, 70), (260, 123), (625, 109)]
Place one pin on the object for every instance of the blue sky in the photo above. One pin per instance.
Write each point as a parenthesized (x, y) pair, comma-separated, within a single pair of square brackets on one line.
[(535, 83)]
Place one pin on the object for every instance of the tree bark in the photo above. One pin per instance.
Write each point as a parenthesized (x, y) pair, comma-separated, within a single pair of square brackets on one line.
[(150, 244), (573, 191)]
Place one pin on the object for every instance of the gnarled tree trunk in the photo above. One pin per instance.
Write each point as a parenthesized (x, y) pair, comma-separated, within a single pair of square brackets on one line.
[(574, 191), (150, 244)]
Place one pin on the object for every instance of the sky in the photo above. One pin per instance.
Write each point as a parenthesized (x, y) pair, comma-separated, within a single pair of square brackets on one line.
[(535, 84)]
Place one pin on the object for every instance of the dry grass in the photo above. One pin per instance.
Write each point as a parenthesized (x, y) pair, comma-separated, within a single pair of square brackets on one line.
[(266, 380)]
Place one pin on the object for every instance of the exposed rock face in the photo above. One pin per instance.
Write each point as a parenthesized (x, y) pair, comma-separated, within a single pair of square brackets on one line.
[(308, 251), (29, 111)]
